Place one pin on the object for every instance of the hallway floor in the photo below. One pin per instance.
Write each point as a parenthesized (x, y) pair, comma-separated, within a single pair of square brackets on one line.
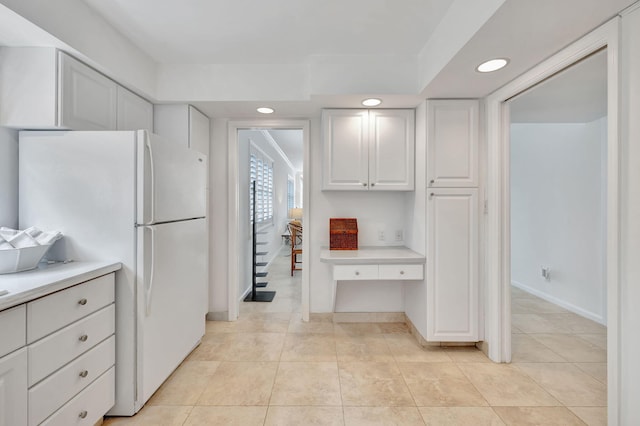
[(271, 368)]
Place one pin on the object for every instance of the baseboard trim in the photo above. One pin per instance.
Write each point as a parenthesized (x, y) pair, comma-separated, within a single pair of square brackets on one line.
[(368, 317), (217, 316), (566, 305), (423, 342)]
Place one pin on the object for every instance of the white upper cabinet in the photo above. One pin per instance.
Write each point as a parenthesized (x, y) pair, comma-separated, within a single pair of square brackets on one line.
[(87, 99), (452, 265), (134, 112), (182, 124), (452, 143), (368, 149), (43, 88)]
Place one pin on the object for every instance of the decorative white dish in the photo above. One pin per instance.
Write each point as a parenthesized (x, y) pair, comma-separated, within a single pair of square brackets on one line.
[(21, 259)]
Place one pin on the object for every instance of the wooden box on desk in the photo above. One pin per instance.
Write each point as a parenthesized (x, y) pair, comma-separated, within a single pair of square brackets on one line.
[(343, 234)]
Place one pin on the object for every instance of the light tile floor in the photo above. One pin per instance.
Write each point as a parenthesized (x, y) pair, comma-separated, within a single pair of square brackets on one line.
[(270, 368)]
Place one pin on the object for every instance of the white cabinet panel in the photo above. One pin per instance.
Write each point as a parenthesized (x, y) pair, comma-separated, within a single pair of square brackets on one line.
[(355, 272), (452, 265), (346, 149), (13, 389), (56, 311), (133, 112), (452, 143), (401, 272), (87, 99), (391, 150), (368, 149), (12, 329), (198, 131)]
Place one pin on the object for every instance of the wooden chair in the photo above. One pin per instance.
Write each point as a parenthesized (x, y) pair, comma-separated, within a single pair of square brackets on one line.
[(295, 230)]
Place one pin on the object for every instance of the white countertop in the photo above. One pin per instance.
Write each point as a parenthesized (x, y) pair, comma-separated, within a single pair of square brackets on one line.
[(25, 286), (372, 255)]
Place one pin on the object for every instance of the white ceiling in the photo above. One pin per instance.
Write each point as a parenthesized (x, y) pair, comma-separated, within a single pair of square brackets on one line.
[(577, 94), (272, 31)]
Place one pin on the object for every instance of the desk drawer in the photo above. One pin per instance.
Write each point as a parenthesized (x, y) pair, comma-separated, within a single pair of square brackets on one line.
[(401, 272), (89, 406), (12, 329), (54, 351), (355, 272), (53, 312), (54, 391)]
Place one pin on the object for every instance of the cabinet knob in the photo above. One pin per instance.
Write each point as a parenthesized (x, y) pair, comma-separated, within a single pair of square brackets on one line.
[(373, 184), (401, 272), (357, 273), (84, 373), (432, 181), (83, 414), (82, 302), (364, 184), (431, 195), (83, 338)]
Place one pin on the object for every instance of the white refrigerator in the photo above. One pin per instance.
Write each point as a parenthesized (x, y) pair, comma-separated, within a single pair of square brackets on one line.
[(131, 197)]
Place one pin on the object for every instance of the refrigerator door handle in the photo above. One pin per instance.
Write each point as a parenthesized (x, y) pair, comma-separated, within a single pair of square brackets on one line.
[(152, 181), (148, 289)]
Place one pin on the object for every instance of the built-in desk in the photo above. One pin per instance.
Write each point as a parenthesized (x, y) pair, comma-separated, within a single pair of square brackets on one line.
[(373, 263)]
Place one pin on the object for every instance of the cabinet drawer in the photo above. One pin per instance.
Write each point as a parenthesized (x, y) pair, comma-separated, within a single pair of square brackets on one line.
[(89, 406), (401, 272), (54, 351), (355, 272), (53, 312), (13, 389), (50, 394), (12, 329)]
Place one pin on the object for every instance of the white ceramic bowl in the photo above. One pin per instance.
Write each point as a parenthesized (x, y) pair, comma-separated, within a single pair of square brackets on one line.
[(23, 259)]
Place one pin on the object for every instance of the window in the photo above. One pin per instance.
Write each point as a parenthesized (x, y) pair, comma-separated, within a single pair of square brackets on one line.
[(290, 193), (261, 172)]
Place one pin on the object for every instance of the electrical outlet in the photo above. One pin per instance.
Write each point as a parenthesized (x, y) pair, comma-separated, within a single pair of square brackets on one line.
[(380, 235), (399, 236), (546, 273)]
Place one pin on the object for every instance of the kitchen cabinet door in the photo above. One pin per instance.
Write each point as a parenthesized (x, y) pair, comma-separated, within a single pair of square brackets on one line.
[(134, 112), (87, 99), (391, 150), (452, 143), (13, 389), (346, 149), (452, 265), (198, 131)]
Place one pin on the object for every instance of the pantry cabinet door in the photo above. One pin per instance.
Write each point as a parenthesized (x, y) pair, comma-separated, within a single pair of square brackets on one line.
[(452, 143), (86, 98), (13, 388), (391, 149), (346, 149), (452, 265)]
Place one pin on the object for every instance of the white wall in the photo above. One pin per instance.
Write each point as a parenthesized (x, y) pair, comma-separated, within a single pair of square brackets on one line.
[(557, 202), (274, 231), (8, 177), (415, 297), (630, 220)]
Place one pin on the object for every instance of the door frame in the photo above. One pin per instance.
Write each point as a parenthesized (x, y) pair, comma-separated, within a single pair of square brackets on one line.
[(233, 244), (498, 221)]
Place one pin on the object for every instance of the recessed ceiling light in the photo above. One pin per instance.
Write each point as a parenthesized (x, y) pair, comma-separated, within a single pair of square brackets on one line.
[(265, 110), (492, 65), (371, 102)]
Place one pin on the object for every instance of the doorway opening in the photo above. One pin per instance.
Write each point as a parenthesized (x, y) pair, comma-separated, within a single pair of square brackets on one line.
[(266, 194), (558, 168)]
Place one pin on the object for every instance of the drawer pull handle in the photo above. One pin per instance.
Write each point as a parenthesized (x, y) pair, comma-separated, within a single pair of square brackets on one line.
[(83, 338), (84, 373), (83, 414), (357, 273), (82, 302), (401, 272)]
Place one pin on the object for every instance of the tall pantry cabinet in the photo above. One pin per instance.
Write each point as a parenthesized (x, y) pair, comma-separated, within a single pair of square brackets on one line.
[(452, 221)]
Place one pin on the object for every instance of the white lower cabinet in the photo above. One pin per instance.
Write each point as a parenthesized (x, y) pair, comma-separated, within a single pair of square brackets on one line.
[(13, 389), (452, 265), (62, 372)]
